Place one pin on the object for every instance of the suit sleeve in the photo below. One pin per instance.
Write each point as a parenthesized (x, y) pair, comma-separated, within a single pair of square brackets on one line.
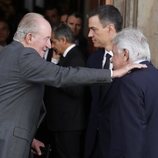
[(75, 60), (35, 69)]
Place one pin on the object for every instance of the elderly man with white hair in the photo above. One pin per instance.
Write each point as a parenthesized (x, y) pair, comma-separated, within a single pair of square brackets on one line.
[(133, 100)]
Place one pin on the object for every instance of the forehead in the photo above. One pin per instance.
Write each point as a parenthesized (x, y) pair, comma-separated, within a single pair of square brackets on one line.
[(74, 19), (114, 48), (53, 37), (45, 29), (94, 21), (64, 16)]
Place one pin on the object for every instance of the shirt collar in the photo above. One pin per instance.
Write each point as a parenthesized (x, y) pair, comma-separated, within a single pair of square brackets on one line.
[(139, 61), (108, 52), (68, 49)]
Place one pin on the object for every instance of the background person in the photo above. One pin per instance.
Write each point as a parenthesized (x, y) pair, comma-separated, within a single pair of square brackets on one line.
[(67, 108), (52, 14), (4, 33), (63, 18), (75, 22)]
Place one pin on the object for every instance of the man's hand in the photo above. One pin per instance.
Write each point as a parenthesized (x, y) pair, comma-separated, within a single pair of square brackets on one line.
[(56, 55), (36, 144), (121, 72)]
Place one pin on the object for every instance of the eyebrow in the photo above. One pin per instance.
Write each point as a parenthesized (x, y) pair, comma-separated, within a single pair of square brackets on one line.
[(93, 28)]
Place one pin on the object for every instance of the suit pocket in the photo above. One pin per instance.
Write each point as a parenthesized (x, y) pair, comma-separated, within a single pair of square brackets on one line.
[(22, 133)]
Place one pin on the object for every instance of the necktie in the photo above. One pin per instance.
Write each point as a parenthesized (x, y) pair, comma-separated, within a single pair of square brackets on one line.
[(103, 88), (107, 63)]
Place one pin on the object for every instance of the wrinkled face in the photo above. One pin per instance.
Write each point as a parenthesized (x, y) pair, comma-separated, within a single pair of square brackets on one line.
[(41, 41), (58, 44), (119, 59), (101, 36), (75, 24)]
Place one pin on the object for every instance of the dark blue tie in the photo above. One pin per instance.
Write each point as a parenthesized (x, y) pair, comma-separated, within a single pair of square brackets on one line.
[(107, 63)]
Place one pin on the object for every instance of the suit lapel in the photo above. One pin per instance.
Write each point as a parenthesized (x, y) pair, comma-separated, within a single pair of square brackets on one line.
[(63, 60)]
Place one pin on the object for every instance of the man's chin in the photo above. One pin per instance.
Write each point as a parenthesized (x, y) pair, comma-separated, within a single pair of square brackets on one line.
[(95, 45)]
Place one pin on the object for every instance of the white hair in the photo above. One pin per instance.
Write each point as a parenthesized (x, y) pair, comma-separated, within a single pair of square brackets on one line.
[(135, 42), (28, 24)]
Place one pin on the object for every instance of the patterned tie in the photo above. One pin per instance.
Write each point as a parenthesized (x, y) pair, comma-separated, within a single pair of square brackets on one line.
[(107, 63)]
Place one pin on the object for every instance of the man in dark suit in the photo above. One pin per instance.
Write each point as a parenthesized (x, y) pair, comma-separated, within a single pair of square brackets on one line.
[(67, 108), (133, 100), (104, 23), (75, 22), (23, 75)]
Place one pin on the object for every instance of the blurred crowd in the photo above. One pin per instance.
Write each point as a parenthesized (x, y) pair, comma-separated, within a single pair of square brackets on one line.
[(10, 16)]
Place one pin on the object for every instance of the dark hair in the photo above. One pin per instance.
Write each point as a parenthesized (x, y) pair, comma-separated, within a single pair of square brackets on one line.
[(75, 14), (64, 30), (109, 14)]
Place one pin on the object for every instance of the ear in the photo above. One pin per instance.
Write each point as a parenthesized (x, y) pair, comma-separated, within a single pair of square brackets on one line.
[(63, 39), (28, 38), (126, 55), (111, 27)]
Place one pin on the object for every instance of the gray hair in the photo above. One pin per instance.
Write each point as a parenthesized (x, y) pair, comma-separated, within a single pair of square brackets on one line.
[(28, 24), (64, 30), (135, 42)]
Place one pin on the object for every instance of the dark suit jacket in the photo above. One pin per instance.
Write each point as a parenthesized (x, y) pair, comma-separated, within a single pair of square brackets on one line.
[(92, 141), (23, 75), (82, 43), (67, 107), (134, 114)]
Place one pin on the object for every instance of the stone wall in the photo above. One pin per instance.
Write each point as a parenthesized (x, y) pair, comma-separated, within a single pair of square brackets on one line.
[(136, 13), (143, 15)]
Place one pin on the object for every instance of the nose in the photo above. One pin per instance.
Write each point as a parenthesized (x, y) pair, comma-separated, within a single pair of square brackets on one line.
[(49, 45), (90, 33), (73, 29)]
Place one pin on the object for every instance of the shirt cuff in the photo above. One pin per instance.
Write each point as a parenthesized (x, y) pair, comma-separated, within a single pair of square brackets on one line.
[(55, 61), (111, 73)]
